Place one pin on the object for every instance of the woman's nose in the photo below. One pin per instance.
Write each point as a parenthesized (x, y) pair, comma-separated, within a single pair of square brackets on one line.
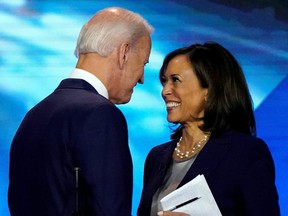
[(166, 90)]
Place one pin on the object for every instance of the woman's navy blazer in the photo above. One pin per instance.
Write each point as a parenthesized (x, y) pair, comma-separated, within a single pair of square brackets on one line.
[(238, 168)]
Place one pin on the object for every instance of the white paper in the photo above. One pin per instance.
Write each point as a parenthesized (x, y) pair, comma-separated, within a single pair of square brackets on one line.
[(197, 187)]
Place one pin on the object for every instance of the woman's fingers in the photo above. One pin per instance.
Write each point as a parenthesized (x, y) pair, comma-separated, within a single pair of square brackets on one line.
[(169, 213)]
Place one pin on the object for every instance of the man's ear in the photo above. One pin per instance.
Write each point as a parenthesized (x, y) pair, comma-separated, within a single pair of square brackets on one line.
[(123, 54)]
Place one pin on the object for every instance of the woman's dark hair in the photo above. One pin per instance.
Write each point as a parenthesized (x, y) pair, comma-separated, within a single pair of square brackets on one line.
[(229, 104)]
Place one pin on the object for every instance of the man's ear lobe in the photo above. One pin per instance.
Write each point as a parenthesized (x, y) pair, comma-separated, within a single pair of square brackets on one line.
[(123, 54)]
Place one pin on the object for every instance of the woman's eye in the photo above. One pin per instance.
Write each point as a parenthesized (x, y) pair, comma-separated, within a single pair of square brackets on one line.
[(175, 79)]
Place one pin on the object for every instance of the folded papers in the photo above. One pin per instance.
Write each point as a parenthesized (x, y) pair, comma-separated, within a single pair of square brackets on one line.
[(197, 190)]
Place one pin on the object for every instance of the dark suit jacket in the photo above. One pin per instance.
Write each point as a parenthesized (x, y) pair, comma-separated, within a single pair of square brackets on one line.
[(238, 168), (72, 127)]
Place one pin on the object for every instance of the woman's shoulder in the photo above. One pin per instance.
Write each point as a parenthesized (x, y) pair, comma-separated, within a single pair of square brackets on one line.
[(239, 137), (247, 143)]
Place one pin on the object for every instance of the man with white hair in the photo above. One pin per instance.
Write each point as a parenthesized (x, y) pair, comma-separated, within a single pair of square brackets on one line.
[(70, 155)]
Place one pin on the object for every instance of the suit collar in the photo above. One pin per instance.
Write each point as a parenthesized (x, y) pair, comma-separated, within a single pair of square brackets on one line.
[(76, 84), (91, 79)]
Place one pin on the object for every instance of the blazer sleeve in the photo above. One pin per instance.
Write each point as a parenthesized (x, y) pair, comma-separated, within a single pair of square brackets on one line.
[(258, 183), (101, 150)]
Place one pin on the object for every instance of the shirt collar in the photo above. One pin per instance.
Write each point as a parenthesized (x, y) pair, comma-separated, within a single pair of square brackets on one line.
[(91, 79)]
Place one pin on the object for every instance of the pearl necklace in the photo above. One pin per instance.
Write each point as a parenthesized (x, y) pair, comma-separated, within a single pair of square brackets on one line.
[(195, 148)]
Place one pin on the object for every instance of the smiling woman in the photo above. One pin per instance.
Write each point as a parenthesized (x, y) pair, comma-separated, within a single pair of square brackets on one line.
[(206, 93)]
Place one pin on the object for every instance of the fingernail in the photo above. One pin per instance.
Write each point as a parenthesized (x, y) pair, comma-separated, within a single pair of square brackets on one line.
[(160, 213)]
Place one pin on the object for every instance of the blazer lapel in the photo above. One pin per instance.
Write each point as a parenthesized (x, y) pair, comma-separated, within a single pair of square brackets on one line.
[(208, 158), (163, 160)]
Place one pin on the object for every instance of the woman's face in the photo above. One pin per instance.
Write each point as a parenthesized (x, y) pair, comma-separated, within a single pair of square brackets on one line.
[(182, 92)]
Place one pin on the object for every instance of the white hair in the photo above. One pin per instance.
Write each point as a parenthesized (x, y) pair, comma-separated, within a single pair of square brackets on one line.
[(109, 28)]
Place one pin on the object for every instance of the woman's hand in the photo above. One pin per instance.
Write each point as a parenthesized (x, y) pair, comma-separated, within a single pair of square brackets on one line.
[(170, 213)]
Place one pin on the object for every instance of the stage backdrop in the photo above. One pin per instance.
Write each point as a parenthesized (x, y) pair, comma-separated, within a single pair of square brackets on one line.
[(37, 40)]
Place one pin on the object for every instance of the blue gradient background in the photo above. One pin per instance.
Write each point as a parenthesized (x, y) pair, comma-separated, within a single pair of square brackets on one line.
[(37, 40)]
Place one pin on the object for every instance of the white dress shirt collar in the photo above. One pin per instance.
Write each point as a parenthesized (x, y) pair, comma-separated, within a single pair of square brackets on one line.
[(91, 79)]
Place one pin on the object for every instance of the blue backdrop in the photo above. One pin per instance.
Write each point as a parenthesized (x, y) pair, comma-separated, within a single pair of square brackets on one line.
[(37, 40)]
